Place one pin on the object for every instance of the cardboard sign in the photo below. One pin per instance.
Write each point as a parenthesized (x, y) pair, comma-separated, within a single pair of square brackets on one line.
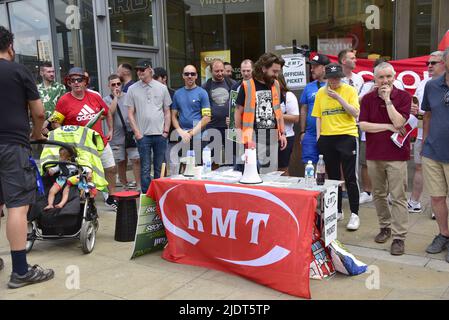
[(150, 233), (295, 71), (329, 227)]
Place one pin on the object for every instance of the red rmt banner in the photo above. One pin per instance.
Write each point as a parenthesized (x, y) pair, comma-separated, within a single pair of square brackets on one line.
[(263, 234)]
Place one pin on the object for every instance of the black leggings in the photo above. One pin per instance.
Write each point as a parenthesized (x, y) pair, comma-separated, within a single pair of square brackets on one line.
[(341, 151)]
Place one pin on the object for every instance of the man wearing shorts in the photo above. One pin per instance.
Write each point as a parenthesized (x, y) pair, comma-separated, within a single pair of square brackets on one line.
[(77, 108), (115, 100), (435, 67), (436, 153), (18, 96)]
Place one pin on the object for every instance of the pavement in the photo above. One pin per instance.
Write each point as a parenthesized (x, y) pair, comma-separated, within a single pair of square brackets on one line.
[(108, 273)]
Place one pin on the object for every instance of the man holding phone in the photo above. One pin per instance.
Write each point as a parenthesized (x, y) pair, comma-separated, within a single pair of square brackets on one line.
[(435, 67)]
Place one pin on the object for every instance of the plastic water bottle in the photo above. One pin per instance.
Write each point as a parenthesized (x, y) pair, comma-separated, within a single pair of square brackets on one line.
[(207, 160), (320, 171), (309, 174)]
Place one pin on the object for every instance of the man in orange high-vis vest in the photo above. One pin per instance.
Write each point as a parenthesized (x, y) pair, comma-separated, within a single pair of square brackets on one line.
[(258, 113)]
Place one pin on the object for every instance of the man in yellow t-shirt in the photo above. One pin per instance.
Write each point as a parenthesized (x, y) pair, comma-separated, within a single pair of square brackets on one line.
[(336, 109)]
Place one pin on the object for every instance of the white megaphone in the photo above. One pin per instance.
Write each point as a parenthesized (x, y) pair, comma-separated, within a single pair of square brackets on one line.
[(190, 164), (250, 174)]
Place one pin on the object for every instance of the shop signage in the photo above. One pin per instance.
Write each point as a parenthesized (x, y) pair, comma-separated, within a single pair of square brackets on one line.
[(295, 71), (334, 46), (129, 6), (214, 2)]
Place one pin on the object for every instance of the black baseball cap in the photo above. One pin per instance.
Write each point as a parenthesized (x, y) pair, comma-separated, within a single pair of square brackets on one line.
[(334, 70), (320, 59), (143, 64)]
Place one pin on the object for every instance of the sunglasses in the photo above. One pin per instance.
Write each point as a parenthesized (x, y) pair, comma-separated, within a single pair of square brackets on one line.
[(141, 69), (190, 74), (432, 63), (76, 80), (116, 84)]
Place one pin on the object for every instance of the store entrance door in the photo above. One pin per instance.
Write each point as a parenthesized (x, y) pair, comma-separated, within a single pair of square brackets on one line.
[(131, 56)]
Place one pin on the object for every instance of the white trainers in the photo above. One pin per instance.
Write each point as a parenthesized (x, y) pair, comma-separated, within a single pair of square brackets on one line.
[(365, 198), (340, 216), (414, 207), (354, 223)]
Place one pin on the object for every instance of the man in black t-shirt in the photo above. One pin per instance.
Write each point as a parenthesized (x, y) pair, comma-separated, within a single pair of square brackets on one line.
[(258, 113), (218, 89), (18, 94)]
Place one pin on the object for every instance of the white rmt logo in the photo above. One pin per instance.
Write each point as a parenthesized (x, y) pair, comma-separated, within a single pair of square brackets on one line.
[(85, 114), (222, 228)]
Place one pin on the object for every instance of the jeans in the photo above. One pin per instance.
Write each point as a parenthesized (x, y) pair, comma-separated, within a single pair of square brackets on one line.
[(151, 147)]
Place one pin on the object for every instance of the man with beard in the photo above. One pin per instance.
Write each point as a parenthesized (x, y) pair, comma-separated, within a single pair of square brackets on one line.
[(50, 92), (258, 113)]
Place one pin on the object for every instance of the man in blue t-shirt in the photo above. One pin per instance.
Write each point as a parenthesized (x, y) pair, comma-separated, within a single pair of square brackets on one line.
[(308, 123), (436, 153), (190, 112)]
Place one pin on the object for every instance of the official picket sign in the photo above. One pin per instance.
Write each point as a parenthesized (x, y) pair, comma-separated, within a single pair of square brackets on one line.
[(295, 71), (329, 232)]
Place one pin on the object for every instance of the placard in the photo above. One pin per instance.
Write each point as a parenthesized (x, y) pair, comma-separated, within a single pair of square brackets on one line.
[(295, 71)]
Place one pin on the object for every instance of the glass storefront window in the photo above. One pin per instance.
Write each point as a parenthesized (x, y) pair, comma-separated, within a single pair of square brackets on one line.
[(341, 24), (131, 22), (421, 27), (196, 27), (75, 35), (31, 27), (3, 16)]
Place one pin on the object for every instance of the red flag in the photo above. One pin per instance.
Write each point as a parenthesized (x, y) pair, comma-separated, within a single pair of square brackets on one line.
[(444, 42), (261, 233)]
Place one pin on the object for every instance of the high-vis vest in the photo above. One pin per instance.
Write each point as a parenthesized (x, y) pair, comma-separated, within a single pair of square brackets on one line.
[(89, 146), (249, 112)]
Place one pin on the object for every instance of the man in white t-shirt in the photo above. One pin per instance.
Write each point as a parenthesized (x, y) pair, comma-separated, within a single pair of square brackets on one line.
[(435, 65), (348, 60)]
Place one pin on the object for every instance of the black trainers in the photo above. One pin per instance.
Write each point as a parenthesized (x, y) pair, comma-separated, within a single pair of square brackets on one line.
[(34, 275), (111, 203), (438, 244), (2, 264)]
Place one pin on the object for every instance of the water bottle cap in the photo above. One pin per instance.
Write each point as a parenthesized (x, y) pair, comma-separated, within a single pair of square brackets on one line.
[(309, 162), (321, 156)]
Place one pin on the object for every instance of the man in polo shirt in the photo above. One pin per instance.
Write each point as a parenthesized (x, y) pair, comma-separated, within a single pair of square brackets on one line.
[(308, 123), (436, 152), (148, 104), (383, 112), (435, 66)]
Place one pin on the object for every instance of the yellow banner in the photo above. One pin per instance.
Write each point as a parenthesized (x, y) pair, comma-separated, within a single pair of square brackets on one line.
[(207, 57)]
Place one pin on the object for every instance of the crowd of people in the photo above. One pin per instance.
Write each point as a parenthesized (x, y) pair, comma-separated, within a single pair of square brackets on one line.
[(339, 116)]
